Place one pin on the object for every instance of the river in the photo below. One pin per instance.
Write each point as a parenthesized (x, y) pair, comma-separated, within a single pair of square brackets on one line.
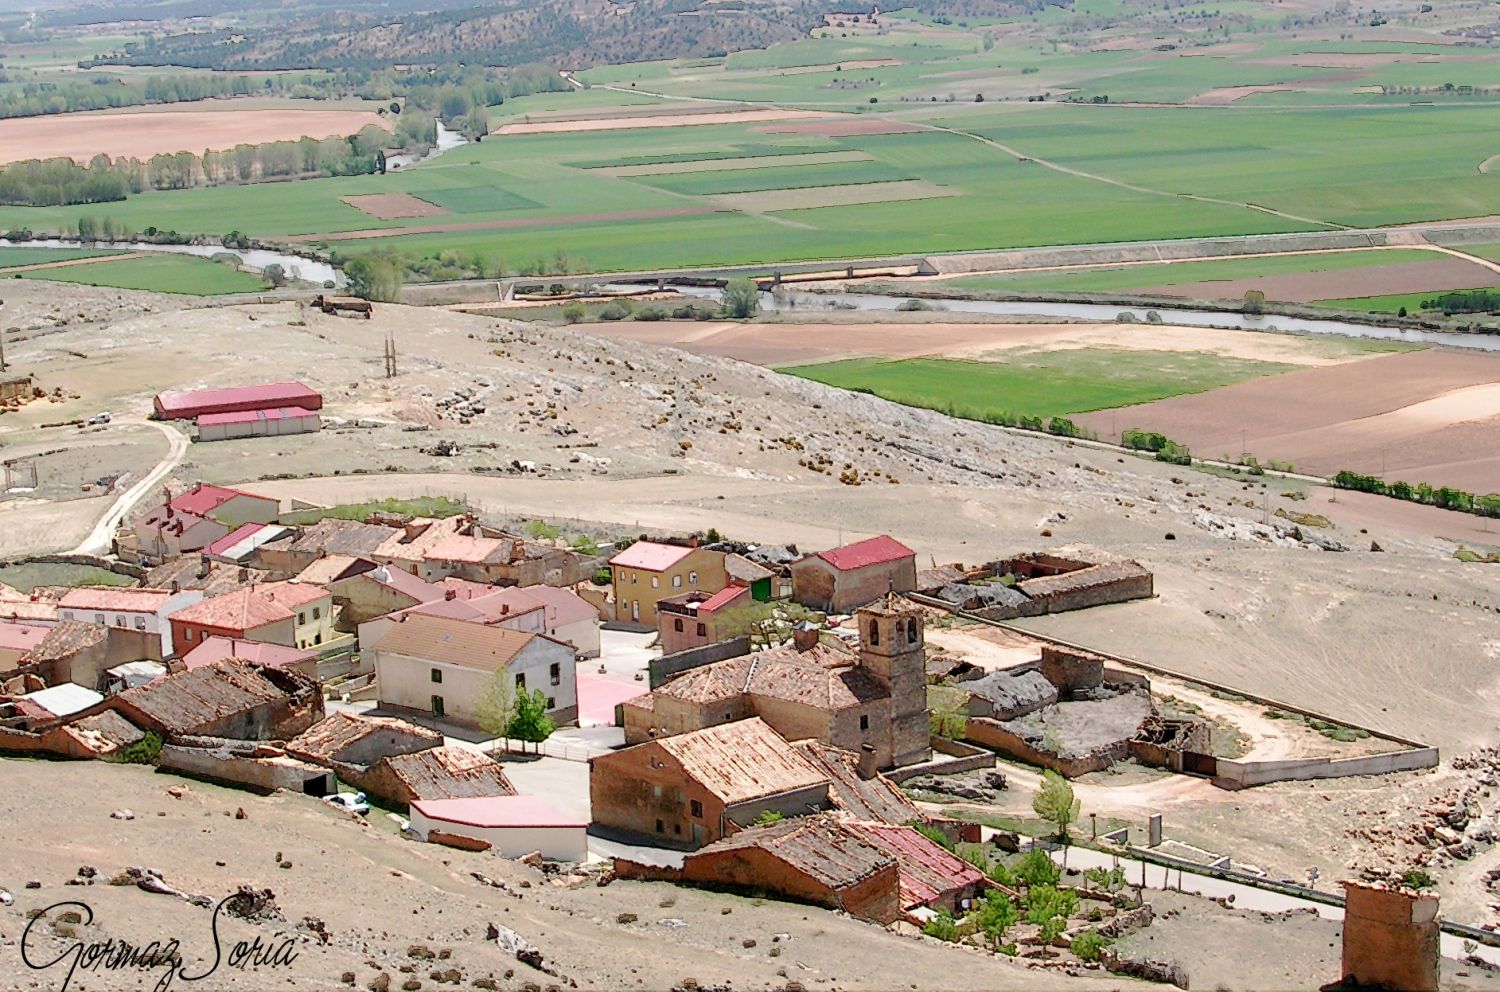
[(446, 141), (786, 300)]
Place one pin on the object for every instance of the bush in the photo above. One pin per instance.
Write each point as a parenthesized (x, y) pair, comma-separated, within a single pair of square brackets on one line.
[(767, 817), (602, 577), (573, 313), (741, 298), (650, 313), (912, 305), (943, 927), (145, 751), (1036, 869), (935, 835), (1088, 944), (614, 312)]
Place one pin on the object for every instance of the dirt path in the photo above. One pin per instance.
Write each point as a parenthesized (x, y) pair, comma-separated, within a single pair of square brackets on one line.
[(99, 539)]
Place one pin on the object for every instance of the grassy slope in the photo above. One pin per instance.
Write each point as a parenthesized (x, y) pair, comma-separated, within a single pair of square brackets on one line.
[(1039, 385), (36, 256), (161, 274)]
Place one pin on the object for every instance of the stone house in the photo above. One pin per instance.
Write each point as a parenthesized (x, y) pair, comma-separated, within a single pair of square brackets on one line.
[(295, 614), (234, 699), (217, 649), (647, 572), (289, 555), (360, 739), (464, 548), (443, 667), (83, 653), (875, 697), (693, 619), (692, 789), (195, 519), (431, 773), (810, 859), (930, 877), (843, 579), (367, 593)]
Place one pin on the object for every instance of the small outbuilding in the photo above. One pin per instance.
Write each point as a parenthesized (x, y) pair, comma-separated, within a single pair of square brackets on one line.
[(512, 826)]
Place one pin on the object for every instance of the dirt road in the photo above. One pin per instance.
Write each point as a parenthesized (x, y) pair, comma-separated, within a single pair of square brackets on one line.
[(100, 538)]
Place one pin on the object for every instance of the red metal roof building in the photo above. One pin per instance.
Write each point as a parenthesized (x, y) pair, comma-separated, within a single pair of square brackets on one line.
[(872, 551), (843, 579), (204, 402)]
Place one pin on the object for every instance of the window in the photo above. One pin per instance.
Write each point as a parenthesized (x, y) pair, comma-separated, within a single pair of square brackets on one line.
[(556, 673), (632, 578), (187, 635), (317, 612), (521, 680), (99, 618), (864, 721), (702, 630), (677, 625), (551, 702), (655, 582), (676, 828), (437, 676), (874, 633), (318, 639), (697, 809), (140, 623), (911, 631), (676, 582), (437, 706), (661, 827), (119, 620), (693, 578), (656, 794), (301, 619)]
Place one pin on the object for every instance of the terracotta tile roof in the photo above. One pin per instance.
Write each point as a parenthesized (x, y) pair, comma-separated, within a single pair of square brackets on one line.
[(876, 798), (252, 606), (825, 676), (105, 599), (872, 551), (65, 640), (563, 605), (496, 811), (469, 550), (36, 609), (746, 571), (216, 649), (449, 773), (204, 498), (326, 740), (221, 577), (650, 556), (741, 761), (927, 870), (23, 637), (816, 846), (330, 567), (459, 538), (344, 537), (188, 701), (398, 580), (1083, 578), (455, 642)]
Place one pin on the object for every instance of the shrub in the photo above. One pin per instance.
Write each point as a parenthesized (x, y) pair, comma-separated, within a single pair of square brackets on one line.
[(650, 313), (145, 751), (942, 926), (1088, 944), (767, 817), (1036, 869), (573, 313), (933, 834), (741, 298), (614, 312), (911, 305)]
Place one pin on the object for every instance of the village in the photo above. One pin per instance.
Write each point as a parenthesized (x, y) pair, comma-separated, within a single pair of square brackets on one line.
[(834, 727)]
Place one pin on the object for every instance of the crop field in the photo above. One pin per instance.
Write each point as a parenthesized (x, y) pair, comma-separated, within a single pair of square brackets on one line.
[(158, 273), (1042, 384), (1268, 134), (1392, 302), (1424, 416), (37, 256)]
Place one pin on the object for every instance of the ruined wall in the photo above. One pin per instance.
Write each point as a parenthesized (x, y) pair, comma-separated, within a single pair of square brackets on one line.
[(1391, 938), (874, 898), (1071, 671), (668, 665), (993, 736), (248, 767)]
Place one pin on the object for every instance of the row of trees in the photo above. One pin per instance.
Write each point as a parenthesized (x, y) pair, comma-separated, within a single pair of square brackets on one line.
[(1166, 449), (103, 92), (62, 181), (1444, 497)]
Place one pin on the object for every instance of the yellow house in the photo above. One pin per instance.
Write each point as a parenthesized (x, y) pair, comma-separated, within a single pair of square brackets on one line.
[(646, 573)]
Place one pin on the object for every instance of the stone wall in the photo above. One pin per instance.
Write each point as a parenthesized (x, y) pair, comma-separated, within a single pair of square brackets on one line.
[(666, 666), (992, 735), (1391, 938), (243, 763)]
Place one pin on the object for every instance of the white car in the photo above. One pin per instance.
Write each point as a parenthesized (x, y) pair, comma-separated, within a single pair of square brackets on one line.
[(349, 802), (97, 419)]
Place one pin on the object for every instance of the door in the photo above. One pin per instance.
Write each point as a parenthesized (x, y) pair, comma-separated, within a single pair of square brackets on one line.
[(635, 610), (437, 706)]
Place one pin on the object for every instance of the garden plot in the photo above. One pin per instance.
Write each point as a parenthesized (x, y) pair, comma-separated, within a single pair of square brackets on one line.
[(394, 206)]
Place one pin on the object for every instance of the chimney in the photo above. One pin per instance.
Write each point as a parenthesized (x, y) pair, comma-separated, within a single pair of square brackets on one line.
[(244, 574), (805, 636), (450, 594), (176, 587), (203, 566), (867, 761)]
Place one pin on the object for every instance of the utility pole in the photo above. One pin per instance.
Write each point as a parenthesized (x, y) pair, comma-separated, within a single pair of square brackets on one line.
[(390, 355), (2, 349)]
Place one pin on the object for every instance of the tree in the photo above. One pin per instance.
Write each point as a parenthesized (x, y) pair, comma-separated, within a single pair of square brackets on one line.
[(495, 708), (997, 914), (1054, 802), (531, 722), (1255, 301), (275, 275), (741, 298), (377, 276), (1049, 908), (88, 229), (768, 625)]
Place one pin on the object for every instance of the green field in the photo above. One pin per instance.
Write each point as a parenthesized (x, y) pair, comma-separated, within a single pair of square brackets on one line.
[(1129, 277), (1050, 384), (157, 273), (1412, 302), (36, 256), (1181, 150)]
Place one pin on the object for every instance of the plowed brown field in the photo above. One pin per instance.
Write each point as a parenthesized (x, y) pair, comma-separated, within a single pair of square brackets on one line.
[(1426, 416)]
